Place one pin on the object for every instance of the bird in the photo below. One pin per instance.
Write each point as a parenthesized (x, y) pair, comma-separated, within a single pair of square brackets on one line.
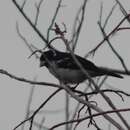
[(63, 66)]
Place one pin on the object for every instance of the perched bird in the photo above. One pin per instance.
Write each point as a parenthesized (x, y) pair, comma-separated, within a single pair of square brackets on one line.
[(63, 67)]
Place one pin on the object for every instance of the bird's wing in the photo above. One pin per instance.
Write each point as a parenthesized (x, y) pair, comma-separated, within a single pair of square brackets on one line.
[(68, 62)]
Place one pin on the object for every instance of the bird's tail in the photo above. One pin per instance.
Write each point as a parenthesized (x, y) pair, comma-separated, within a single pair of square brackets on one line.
[(105, 71)]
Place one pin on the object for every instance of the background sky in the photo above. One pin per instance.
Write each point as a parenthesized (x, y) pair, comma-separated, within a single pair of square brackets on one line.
[(13, 56)]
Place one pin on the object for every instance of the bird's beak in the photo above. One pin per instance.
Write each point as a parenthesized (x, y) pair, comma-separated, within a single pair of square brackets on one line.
[(42, 64)]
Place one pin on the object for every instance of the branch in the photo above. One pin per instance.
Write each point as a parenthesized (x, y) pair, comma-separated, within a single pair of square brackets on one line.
[(31, 118), (76, 34), (29, 103), (68, 90), (25, 40), (88, 117), (53, 19), (123, 10), (112, 48), (30, 22), (28, 81), (109, 15), (103, 90), (38, 11), (109, 34), (86, 73)]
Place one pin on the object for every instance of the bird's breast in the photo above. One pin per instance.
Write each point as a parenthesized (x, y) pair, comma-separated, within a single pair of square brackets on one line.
[(68, 75)]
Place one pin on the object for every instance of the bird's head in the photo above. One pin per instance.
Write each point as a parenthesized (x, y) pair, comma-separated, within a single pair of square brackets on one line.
[(47, 57)]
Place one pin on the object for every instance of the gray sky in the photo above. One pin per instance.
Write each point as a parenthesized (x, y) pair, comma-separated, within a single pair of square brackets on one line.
[(13, 55)]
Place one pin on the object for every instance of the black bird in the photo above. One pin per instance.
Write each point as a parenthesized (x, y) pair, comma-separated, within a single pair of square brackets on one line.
[(63, 67)]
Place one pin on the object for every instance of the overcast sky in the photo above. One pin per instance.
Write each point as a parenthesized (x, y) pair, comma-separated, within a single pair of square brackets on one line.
[(13, 55)]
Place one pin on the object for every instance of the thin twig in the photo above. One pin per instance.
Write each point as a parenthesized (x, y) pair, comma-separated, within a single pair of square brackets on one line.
[(109, 15), (76, 109), (85, 118), (109, 34), (22, 7), (123, 10), (31, 118), (116, 124), (113, 50), (38, 6), (67, 104), (30, 22), (83, 70), (25, 40), (53, 19), (101, 11), (29, 103), (28, 81), (83, 8)]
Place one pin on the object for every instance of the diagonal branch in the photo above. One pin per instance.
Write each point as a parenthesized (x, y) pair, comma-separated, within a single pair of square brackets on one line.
[(88, 117), (38, 11), (31, 118), (69, 91), (109, 34), (76, 33), (113, 50), (29, 21), (53, 19)]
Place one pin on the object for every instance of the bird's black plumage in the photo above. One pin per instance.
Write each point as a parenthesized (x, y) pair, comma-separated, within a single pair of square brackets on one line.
[(65, 60), (66, 67)]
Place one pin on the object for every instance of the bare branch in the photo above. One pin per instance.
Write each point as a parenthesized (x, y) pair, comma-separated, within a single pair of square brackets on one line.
[(101, 11), (123, 10), (28, 81), (84, 71), (76, 108), (116, 124), (67, 103), (22, 7), (53, 19), (40, 126), (85, 118), (77, 95), (118, 92), (25, 40), (107, 36), (38, 6), (109, 15), (111, 104), (123, 64), (77, 33), (30, 22), (29, 103), (113, 50), (31, 118)]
